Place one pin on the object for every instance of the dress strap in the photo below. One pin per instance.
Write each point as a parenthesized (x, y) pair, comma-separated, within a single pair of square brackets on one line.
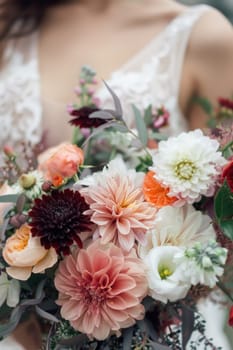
[(177, 37)]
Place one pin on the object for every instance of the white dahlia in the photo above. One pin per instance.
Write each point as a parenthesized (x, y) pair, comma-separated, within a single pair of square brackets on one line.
[(181, 227), (188, 165)]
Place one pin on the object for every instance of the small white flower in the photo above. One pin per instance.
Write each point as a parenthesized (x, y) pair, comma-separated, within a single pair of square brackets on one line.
[(189, 165), (203, 263), (30, 184), (9, 290), (164, 274), (178, 227)]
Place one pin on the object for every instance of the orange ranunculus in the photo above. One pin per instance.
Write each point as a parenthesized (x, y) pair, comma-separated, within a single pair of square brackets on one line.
[(60, 162), (155, 193), (25, 254)]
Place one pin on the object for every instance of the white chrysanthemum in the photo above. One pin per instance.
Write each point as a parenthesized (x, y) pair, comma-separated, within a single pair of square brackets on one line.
[(164, 274), (189, 165), (30, 184), (203, 263), (178, 227)]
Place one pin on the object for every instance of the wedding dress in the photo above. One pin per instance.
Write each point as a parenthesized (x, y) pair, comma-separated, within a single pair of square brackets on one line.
[(150, 77)]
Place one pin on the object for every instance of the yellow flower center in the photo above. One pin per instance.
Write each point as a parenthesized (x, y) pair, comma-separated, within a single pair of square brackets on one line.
[(165, 272), (185, 169)]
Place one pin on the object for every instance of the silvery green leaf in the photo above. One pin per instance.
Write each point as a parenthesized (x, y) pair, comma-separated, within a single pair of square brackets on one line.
[(101, 115), (140, 125), (117, 103), (147, 115), (187, 325), (9, 198), (99, 129), (13, 293), (20, 202), (6, 329), (46, 315), (4, 285), (127, 335), (3, 229)]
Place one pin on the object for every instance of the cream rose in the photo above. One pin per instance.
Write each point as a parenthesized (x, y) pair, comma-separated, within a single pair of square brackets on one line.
[(25, 254)]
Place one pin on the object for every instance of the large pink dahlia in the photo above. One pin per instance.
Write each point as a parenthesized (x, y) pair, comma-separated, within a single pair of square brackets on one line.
[(100, 289), (118, 208)]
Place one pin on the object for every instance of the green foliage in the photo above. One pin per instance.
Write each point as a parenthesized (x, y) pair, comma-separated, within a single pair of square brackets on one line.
[(223, 206)]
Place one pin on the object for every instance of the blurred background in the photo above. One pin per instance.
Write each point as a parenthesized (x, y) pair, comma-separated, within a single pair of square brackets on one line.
[(225, 6)]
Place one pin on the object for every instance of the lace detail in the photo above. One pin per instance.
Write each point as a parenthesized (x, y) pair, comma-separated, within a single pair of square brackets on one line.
[(153, 76), (20, 107)]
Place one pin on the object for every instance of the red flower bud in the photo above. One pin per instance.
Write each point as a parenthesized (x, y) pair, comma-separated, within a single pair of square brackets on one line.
[(230, 320), (228, 174)]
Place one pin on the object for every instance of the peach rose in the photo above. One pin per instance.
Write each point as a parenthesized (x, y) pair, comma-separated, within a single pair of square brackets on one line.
[(60, 162), (4, 207), (25, 254)]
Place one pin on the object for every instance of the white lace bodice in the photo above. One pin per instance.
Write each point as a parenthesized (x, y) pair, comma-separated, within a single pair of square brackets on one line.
[(151, 77)]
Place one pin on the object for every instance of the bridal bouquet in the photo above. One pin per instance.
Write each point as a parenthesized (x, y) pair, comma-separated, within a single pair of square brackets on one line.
[(112, 239)]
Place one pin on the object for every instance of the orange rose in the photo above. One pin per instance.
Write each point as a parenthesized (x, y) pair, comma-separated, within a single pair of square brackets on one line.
[(60, 162), (25, 254)]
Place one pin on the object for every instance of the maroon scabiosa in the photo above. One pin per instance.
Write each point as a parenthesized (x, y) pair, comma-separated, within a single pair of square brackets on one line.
[(82, 119), (59, 218)]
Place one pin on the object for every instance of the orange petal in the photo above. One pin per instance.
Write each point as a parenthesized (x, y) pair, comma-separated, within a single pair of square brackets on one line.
[(155, 193)]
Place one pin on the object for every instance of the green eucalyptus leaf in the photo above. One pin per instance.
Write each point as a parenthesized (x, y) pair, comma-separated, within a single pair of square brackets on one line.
[(227, 228), (140, 124), (223, 203), (9, 198), (204, 103), (187, 325), (148, 115), (7, 328), (127, 335)]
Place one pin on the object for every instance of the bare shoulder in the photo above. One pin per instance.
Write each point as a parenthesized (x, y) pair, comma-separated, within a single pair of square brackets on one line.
[(212, 36)]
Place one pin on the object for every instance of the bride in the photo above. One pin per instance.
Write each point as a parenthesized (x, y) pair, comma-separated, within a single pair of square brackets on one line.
[(150, 52)]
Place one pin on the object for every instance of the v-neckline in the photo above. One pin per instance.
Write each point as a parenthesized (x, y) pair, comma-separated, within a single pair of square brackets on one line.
[(127, 64)]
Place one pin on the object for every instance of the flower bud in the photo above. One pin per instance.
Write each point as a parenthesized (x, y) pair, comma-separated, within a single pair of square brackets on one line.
[(206, 262), (27, 181)]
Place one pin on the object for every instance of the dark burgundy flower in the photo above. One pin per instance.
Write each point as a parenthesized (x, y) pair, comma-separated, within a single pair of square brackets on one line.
[(228, 174), (58, 219), (225, 103), (82, 118), (230, 320)]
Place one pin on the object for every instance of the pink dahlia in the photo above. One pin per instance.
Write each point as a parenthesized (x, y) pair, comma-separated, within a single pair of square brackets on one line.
[(100, 289), (118, 207)]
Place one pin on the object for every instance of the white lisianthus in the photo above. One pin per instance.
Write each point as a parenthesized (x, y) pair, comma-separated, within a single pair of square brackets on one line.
[(203, 263), (164, 274), (9, 290), (178, 227), (188, 165)]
